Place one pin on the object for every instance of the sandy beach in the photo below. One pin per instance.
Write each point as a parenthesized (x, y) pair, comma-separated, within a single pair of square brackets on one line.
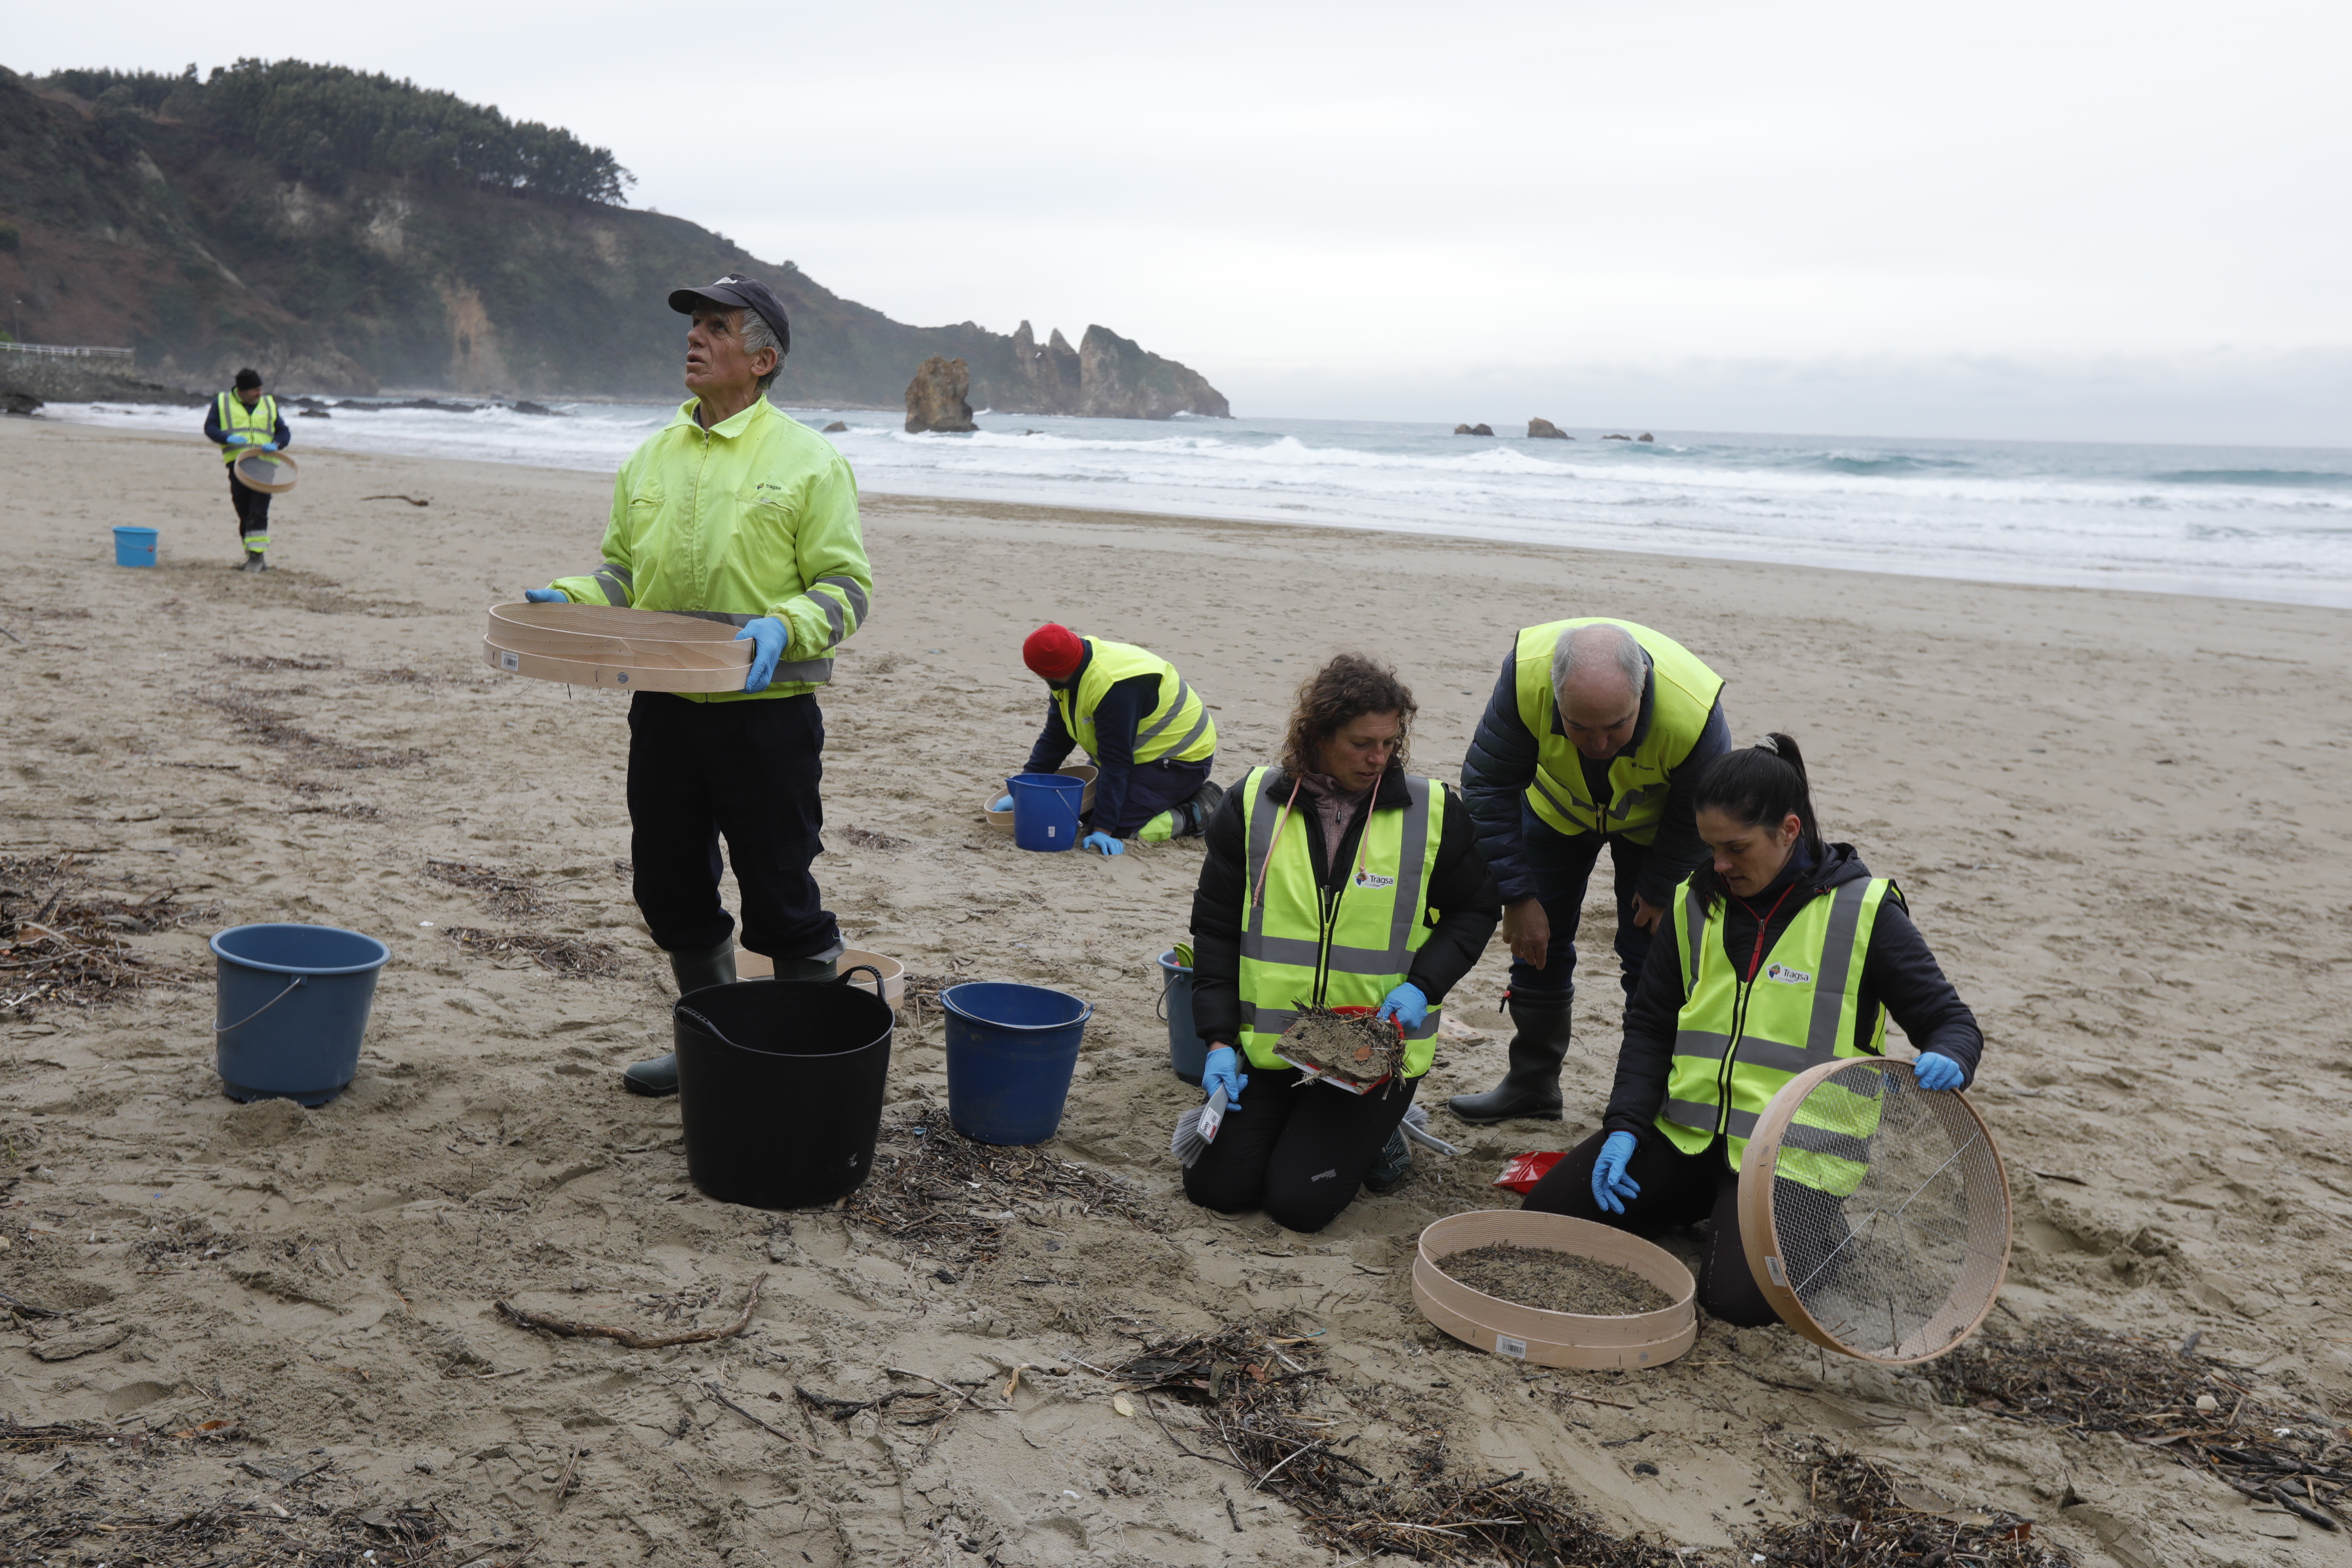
[(2121, 821)]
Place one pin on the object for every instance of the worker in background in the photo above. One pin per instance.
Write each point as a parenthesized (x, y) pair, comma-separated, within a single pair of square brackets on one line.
[(732, 512), (1337, 880), (1595, 736), (246, 419), (1781, 952), (1147, 733)]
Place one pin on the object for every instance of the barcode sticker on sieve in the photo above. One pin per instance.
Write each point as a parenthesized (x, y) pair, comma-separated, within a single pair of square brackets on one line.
[(1505, 1345), (1772, 1267), (509, 660)]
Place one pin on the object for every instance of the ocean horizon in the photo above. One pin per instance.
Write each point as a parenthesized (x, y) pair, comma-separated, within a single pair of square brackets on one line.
[(2255, 523)]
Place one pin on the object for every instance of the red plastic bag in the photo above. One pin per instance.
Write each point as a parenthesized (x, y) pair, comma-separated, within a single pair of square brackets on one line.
[(1526, 1170)]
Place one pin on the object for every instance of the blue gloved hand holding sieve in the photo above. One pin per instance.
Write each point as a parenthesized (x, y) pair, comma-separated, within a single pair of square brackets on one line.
[(1936, 1070), (1407, 1006), (767, 637), (547, 595), (1002, 803)]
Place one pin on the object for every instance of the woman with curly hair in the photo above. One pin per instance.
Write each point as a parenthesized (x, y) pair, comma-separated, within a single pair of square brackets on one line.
[(1334, 879)]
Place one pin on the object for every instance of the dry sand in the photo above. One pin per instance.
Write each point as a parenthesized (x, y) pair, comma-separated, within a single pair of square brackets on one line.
[(2121, 819)]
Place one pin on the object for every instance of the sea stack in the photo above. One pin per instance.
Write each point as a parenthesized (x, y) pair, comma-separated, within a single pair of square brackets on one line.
[(1545, 430), (936, 398)]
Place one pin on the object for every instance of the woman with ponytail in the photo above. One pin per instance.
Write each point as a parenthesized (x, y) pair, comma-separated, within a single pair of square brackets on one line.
[(1724, 1014)]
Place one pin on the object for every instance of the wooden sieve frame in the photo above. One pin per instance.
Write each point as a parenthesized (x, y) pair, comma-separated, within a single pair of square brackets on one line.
[(612, 646), (750, 965), (1538, 1334), (1989, 1225), (279, 460)]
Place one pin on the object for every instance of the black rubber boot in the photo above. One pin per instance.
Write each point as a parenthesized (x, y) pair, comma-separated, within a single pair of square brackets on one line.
[(1393, 1165), (1202, 806), (821, 967), (710, 966), (1531, 1088)]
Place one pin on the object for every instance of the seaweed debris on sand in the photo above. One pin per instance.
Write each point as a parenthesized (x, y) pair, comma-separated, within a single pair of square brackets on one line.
[(1356, 1046), (1554, 1281)]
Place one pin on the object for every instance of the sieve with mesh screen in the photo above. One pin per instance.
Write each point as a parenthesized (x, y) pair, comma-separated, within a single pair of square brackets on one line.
[(1875, 1213), (271, 473)]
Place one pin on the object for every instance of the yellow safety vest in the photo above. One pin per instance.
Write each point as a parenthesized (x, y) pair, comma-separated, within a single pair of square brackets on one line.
[(260, 421), (1683, 694), (1344, 949), (1738, 1041), (1180, 727)]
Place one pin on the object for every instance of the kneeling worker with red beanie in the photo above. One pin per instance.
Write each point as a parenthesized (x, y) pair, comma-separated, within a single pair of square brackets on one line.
[(1146, 732)]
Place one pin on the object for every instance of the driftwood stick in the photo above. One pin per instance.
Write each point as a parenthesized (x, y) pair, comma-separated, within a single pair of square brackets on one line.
[(717, 1394), (634, 1340), (26, 1308)]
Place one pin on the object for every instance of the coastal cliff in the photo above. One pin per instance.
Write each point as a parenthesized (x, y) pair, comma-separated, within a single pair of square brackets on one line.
[(345, 233)]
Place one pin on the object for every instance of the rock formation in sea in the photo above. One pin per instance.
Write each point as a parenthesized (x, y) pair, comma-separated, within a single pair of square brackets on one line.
[(1473, 429), (1645, 435), (936, 398), (836, 426), (1614, 437), (1048, 380), (1545, 430), (1120, 379)]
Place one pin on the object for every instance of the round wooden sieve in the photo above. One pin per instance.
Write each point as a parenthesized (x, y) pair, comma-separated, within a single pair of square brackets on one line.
[(1538, 1334), (607, 645), (1875, 1213), (271, 473)]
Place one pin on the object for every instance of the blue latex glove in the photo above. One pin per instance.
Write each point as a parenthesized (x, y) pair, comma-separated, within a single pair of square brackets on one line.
[(1104, 842), (238, 437), (1610, 1184), (270, 446), (767, 635), (1002, 803), (1407, 1006), (1223, 1071), (547, 595), (1934, 1070)]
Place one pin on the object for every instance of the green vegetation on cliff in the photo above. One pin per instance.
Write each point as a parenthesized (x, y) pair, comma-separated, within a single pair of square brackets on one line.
[(346, 231)]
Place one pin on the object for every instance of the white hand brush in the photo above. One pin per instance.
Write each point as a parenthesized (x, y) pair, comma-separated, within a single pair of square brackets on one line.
[(1197, 1128), (1416, 1127)]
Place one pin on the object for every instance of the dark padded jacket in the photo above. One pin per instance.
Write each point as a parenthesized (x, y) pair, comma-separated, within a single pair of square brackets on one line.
[(1501, 764), (1460, 893), (1897, 972)]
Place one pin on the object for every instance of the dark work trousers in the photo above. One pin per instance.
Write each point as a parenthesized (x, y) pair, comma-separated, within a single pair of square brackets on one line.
[(1676, 1189), (1296, 1148), (1151, 789), (747, 770), (1562, 864), (252, 508)]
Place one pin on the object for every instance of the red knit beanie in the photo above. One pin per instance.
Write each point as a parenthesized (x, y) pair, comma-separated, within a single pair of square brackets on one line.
[(1053, 651)]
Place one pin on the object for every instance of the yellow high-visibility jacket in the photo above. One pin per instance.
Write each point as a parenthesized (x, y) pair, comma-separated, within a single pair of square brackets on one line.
[(755, 516)]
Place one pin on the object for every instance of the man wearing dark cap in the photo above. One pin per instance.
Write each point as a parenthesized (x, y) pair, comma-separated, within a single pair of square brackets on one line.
[(1149, 733), (240, 421), (732, 512)]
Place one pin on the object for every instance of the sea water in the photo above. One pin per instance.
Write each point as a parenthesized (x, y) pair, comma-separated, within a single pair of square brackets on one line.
[(2260, 522)]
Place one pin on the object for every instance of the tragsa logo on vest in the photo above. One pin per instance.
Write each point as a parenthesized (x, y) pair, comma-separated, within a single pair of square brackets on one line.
[(1786, 975), (1369, 879)]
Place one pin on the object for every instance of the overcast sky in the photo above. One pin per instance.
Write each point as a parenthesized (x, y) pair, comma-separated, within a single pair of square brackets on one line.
[(2089, 219)]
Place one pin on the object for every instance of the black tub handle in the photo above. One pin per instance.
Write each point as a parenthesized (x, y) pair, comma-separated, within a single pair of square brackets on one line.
[(707, 1027), (879, 992)]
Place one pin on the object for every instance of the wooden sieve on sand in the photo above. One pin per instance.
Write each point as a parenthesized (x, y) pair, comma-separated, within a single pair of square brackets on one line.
[(1003, 820), (750, 965), (271, 473), (606, 645), (1539, 1334), (1875, 1213)]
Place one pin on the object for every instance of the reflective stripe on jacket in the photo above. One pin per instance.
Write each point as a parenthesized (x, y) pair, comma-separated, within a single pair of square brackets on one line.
[(755, 516), (1738, 1040), (1684, 692), (1345, 947), (1180, 727), (259, 422)]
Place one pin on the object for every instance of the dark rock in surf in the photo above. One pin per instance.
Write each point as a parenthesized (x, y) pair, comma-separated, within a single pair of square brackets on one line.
[(936, 399), (1473, 429), (1616, 438), (836, 426), (1545, 430), (1645, 435)]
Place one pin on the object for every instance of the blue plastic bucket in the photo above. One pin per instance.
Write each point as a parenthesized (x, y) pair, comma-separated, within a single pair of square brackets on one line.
[(1011, 1050), (1188, 1054), (294, 1002), (134, 546), (1045, 809)]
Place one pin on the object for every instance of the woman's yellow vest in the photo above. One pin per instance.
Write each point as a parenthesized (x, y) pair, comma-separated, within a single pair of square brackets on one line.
[(1344, 949), (1738, 1041), (260, 421), (1683, 694), (1180, 727)]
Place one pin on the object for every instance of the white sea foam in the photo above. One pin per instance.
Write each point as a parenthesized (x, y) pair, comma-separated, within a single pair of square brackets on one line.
[(2268, 523)]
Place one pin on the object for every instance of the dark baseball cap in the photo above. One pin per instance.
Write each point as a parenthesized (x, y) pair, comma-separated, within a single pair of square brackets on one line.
[(737, 292)]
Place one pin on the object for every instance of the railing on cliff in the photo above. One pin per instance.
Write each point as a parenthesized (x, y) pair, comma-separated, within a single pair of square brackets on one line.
[(62, 351)]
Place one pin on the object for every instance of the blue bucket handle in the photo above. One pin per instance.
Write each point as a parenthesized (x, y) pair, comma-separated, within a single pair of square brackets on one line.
[(266, 1007)]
